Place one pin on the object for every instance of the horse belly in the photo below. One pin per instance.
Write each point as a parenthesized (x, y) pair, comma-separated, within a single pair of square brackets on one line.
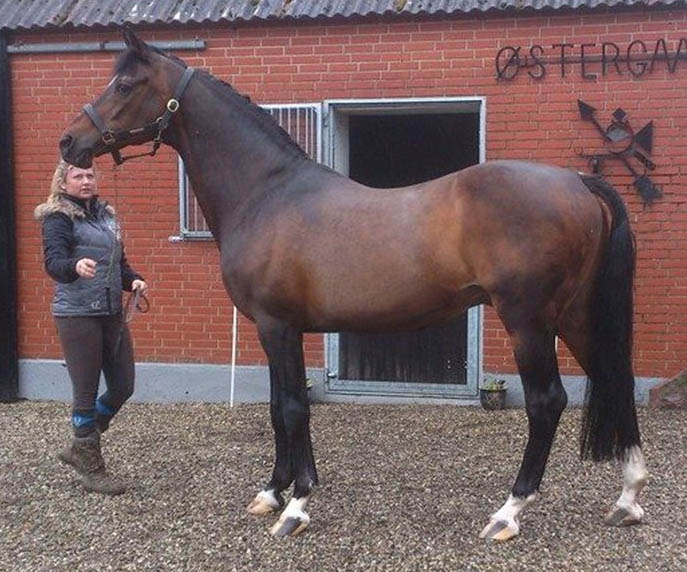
[(396, 265), (383, 305)]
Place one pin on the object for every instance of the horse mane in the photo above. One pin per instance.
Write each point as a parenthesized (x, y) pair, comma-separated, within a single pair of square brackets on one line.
[(262, 118)]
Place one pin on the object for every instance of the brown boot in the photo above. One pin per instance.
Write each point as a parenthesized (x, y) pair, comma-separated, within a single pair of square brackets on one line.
[(84, 455)]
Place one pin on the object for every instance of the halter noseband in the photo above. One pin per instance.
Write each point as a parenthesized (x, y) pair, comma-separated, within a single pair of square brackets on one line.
[(154, 129)]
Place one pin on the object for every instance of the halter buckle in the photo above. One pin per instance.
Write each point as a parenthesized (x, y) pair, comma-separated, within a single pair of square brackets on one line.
[(108, 138), (172, 105)]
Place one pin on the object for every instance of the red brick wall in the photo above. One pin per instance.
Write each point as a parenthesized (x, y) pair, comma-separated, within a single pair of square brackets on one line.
[(190, 318)]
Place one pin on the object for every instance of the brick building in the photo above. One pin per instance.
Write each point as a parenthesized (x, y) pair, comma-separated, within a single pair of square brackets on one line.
[(394, 84)]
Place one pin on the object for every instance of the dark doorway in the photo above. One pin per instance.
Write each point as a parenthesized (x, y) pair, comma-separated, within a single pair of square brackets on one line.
[(395, 150)]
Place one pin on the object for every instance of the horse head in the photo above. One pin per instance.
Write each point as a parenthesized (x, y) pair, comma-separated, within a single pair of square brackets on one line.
[(135, 107)]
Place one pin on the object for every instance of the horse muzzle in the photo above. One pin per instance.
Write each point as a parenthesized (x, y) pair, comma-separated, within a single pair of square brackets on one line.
[(74, 153)]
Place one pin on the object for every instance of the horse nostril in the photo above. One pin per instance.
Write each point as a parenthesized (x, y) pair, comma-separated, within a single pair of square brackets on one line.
[(66, 143)]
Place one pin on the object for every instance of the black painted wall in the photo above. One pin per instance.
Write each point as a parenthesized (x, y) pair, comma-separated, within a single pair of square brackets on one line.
[(9, 371)]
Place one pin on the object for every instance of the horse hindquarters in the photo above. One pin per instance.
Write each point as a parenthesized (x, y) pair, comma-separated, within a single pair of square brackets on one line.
[(597, 327)]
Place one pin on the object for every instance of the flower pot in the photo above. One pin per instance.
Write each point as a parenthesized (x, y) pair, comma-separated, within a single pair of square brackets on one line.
[(492, 399)]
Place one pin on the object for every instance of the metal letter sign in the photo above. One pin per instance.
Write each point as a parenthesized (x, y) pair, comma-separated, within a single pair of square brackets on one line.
[(622, 143), (592, 61)]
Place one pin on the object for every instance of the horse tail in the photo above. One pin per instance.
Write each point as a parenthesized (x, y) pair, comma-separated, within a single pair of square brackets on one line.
[(609, 421)]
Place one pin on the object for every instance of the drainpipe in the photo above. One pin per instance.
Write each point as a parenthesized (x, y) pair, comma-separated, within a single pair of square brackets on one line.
[(9, 368)]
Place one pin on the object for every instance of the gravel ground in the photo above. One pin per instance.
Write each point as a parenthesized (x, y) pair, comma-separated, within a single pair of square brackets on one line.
[(402, 488)]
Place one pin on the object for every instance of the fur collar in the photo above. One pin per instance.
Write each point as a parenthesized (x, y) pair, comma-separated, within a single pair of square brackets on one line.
[(61, 203)]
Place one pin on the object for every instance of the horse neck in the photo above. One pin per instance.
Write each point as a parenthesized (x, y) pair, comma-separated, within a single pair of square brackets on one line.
[(230, 158)]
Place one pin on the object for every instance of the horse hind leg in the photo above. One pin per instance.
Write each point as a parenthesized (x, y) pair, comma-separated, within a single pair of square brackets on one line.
[(576, 333), (626, 510), (601, 335), (545, 400)]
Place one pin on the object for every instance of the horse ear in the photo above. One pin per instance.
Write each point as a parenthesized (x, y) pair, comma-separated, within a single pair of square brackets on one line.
[(134, 43)]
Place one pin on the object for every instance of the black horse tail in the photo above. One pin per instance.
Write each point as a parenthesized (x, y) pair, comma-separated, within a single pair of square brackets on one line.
[(609, 422)]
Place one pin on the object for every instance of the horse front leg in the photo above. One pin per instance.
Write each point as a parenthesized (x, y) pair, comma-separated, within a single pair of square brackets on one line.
[(270, 499), (545, 400), (290, 412)]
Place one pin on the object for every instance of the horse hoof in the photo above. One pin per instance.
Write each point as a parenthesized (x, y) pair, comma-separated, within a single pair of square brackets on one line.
[(259, 507), (500, 530), (289, 526), (265, 503), (624, 516)]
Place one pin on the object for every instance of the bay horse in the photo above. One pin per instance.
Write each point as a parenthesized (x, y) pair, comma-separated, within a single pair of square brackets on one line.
[(305, 249)]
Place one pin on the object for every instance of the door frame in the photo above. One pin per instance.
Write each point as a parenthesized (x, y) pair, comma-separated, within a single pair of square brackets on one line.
[(336, 113)]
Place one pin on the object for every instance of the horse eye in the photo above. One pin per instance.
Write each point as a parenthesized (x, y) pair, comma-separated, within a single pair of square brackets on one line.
[(123, 88)]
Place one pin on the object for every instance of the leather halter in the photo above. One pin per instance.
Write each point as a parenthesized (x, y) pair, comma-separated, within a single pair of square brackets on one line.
[(154, 130)]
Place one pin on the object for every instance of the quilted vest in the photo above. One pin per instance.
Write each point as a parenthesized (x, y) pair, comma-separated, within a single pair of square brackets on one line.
[(96, 236)]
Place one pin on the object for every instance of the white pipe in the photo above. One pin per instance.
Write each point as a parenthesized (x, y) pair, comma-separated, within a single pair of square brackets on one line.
[(234, 333), (71, 47)]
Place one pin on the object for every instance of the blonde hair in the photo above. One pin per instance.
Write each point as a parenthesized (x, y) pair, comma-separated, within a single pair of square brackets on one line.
[(52, 203), (59, 177)]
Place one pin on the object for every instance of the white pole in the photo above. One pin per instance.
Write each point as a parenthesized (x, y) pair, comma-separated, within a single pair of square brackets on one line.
[(234, 332)]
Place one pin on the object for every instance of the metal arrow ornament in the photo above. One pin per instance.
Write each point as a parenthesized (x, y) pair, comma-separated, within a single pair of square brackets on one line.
[(622, 143), (588, 113)]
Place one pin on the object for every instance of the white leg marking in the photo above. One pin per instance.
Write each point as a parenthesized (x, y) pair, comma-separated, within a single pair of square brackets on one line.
[(635, 476), (269, 498), (504, 523), (513, 507), (263, 503), (294, 511)]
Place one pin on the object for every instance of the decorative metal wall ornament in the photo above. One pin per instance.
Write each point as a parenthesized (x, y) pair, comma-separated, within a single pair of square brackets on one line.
[(623, 144)]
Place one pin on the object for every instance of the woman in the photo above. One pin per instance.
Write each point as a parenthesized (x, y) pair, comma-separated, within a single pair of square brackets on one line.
[(84, 254)]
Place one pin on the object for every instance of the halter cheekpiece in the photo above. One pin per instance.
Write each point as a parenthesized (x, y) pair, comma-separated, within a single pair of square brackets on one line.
[(155, 129)]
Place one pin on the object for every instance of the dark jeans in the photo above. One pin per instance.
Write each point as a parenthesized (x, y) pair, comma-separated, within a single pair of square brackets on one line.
[(92, 344)]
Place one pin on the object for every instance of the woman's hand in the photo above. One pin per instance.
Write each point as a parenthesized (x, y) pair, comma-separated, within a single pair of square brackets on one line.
[(139, 285), (85, 268)]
